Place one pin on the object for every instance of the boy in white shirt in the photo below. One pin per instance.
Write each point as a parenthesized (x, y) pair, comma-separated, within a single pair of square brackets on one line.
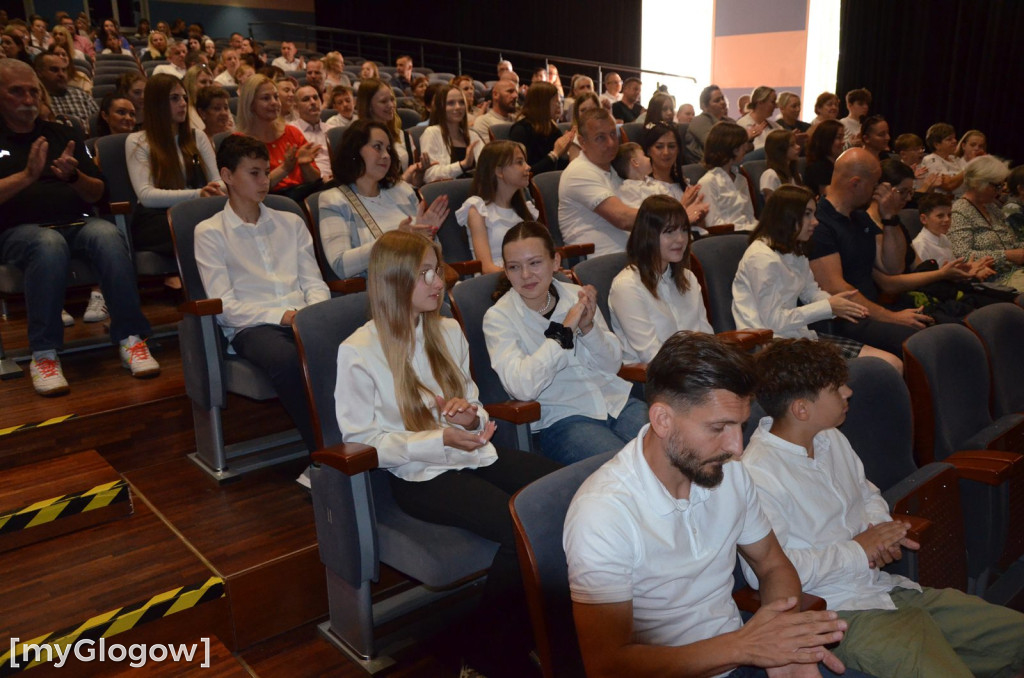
[(635, 169), (260, 263), (288, 61), (836, 529), (932, 243)]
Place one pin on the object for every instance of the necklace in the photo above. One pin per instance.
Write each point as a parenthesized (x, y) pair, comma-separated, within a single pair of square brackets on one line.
[(547, 304)]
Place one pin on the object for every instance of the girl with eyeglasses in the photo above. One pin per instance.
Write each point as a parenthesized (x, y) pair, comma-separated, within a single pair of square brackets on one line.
[(404, 387)]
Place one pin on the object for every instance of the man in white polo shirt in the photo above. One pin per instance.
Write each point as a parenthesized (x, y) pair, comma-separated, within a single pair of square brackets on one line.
[(651, 539), (589, 209)]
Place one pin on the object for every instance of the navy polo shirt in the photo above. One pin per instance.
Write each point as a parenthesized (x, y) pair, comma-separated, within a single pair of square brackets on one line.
[(853, 238)]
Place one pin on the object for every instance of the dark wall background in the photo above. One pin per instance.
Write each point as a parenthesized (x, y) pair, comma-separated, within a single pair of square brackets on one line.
[(928, 61), (599, 30)]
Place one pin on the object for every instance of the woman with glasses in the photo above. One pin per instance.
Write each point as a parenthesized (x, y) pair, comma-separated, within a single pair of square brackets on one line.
[(404, 387)]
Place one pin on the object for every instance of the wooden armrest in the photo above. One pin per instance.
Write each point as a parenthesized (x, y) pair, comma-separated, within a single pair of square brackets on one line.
[(749, 600), (202, 307), (515, 411), (347, 286), (747, 340), (919, 527), (468, 267), (720, 229), (573, 251), (990, 467), (634, 372), (123, 207), (349, 458), (1011, 441)]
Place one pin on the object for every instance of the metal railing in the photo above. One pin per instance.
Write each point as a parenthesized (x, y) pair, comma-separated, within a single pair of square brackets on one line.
[(460, 58)]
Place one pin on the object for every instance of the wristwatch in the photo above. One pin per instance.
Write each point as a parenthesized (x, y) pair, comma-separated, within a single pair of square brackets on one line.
[(560, 333)]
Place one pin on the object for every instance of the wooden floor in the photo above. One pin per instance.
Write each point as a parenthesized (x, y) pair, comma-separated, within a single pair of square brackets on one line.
[(257, 533)]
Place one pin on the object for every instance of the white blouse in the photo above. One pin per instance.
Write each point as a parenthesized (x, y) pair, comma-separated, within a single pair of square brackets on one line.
[(728, 199), (432, 143), (582, 380), (927, 246), (136, 150), (643, 323), (499, 221), (367, 410), (945, 167), (345, 237), (766, 290)]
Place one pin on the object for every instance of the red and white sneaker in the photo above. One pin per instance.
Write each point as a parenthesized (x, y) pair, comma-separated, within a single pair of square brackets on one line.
[(47, 377), (135, 357)]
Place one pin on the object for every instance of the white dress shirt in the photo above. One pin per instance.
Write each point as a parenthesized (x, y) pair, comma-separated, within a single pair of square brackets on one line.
[(627, 539), (816, 507), (345, 237), (928, 245), (368, 413), (170, 69), (582, 380), (432, 143), (582, 187), (728, 199), (635, 191), (497, 220), (951, 166), (317, 134), (259, 270), (766, 291), (226, 79), (746, 122), (643, 323), (136, 150)]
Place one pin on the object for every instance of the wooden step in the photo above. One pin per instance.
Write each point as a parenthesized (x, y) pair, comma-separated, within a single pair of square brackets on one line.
[(257, 533), (58, 496), (130, 579)]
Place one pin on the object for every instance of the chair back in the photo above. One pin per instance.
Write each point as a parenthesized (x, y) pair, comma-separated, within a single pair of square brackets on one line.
[(600, 272), (633, 131), (110, 154), (714, 262), (334, 136), (410, 118), (185, 216), (544, 189), (313, 209), (538, 513), (693, 172), (500, 131), (327, 113), (1000, 328), (909, 217), (454, 238), (415, 132), (947, 373), (470, 300)]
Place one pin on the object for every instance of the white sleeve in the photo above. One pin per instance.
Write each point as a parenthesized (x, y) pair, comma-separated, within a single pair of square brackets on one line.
[(209, 157), (601, 551), (339, 235), (140, 173), (629, 305), (756, 292), (770, 181), (432, 143), (210, 252), (600, 349), (523, 375), (709, 190)]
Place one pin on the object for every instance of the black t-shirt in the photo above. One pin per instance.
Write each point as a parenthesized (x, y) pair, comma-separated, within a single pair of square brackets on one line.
[(625, 113), (853, 238), (49, 200), (818, 174)]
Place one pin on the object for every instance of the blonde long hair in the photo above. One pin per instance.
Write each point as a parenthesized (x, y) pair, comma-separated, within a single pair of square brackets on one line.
[(394, 268)]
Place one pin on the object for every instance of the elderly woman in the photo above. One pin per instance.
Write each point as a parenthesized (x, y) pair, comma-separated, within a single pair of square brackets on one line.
[(826, 107), (979, 228)]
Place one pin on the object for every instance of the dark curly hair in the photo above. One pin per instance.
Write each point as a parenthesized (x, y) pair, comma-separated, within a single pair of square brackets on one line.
[(796, 368)]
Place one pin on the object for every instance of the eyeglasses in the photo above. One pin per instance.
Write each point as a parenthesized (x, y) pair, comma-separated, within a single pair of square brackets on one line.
[(432, 274), (905, 192)]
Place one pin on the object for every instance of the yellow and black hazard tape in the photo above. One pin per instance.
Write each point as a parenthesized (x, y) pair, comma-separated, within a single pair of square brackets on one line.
[(66, 505), (25, 427), (112, 623)]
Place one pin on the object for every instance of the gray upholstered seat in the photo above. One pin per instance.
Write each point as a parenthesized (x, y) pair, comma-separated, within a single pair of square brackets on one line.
[(1000, 327), (715, 260)]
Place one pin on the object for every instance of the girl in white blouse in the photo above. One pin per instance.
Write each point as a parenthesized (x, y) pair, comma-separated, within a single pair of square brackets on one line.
[(168, 163), (781, 153), (371, 199), (724, 187), (404, 387), (449, 141), (547, 343), (498, 201), (656, 295), (774, 278)]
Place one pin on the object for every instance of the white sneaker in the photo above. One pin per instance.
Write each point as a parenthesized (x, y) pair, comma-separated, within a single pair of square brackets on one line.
[(47, 376), (304, 480), (135, 357), (66, 318), (97, 308)]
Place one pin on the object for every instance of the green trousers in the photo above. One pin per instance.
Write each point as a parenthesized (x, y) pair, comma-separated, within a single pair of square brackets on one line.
[(936, 632)]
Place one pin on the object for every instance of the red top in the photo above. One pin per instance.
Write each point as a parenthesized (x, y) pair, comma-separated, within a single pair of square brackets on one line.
[(291, 137)]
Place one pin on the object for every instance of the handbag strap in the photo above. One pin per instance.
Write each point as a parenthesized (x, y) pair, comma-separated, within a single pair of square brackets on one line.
[(360, 208)]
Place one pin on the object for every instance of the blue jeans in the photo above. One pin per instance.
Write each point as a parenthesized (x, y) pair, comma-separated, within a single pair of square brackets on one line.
[(43, 255), (577, 437)]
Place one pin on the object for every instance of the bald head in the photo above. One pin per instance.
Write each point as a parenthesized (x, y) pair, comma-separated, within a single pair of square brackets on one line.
[(854, 178)]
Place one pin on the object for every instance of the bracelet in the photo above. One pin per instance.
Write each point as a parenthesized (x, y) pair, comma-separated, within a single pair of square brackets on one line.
[(561, 334), (891, 221)]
